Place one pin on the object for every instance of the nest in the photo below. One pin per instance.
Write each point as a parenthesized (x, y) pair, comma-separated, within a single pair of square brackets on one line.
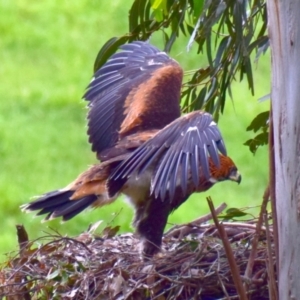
[(195, 263)]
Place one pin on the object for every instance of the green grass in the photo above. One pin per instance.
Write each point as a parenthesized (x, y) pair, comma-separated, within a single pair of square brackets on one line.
[(47, 50)]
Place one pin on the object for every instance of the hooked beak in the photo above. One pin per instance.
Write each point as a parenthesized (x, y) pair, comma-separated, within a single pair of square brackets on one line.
[(235, 176)]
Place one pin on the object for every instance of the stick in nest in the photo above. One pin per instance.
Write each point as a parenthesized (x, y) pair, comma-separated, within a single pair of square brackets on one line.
[(232, 263), (182, 230)]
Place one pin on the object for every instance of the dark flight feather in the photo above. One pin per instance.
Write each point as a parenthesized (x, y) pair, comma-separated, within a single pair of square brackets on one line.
[(58, 204), (178, 150), (111, 93)]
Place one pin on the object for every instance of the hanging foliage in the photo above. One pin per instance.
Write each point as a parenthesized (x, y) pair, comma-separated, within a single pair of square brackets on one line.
[(226, 32)]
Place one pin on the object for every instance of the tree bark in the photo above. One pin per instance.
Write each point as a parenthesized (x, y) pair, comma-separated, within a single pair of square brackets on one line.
[(284, 33)]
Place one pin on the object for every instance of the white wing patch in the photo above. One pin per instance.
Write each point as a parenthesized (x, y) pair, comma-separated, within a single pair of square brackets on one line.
[(151, 62), (192, 128)]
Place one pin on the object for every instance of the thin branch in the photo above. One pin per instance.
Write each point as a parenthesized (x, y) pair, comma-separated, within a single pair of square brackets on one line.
[(250, 264), (23, 241), (184, 229), (22, 238), (270, 264), (232, 263)]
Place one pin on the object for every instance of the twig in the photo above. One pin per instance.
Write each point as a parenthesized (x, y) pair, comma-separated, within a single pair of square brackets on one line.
[(252, 255), (184, 229), (222, 283), (22, 238), (239, 225), (23, 245), (232, 263), (270, 265)]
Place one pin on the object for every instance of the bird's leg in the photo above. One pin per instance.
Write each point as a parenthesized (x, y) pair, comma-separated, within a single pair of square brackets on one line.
[(150, 221)]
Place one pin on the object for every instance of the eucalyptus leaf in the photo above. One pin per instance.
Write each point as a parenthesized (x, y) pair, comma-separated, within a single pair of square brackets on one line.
[(107, 50), (226, 33), (259, 122), (258, 141)]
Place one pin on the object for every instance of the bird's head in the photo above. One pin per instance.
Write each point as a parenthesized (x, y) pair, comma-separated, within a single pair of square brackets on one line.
[(226, 171)]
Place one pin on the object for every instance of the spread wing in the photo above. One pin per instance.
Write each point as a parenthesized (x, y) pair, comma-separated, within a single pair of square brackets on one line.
[(176, 153), (127, 145), (138, 89)]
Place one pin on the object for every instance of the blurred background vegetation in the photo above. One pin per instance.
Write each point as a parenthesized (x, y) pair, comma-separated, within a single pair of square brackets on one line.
[(48, 50)]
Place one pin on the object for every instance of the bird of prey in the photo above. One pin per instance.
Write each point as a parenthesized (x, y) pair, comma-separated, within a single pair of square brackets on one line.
[(148, 151)]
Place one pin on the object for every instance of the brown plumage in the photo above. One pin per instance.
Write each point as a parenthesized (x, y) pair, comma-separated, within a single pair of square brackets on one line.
[(147, 151)]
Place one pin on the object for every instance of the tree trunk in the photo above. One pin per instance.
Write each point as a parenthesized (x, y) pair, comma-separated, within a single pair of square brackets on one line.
[(284, 33)]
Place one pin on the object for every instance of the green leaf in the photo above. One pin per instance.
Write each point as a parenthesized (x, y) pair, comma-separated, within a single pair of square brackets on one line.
[(222, 47), (258, 141), (107, 50), (226, 33), (235, 212), (197, 8), (248, 71), (155, 3), (259, 122), (54, 274), (262, 48), (232, 213), (109, 232), (202, 74), (158, 15), (159, 8), (136, 15), (212, 89), (208, 50), (178, 21), (199, 101), (133, 16)]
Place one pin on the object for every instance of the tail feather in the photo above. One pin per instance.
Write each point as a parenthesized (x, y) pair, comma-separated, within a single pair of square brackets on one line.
[(73, 207), (58, 204), (49, 200)]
